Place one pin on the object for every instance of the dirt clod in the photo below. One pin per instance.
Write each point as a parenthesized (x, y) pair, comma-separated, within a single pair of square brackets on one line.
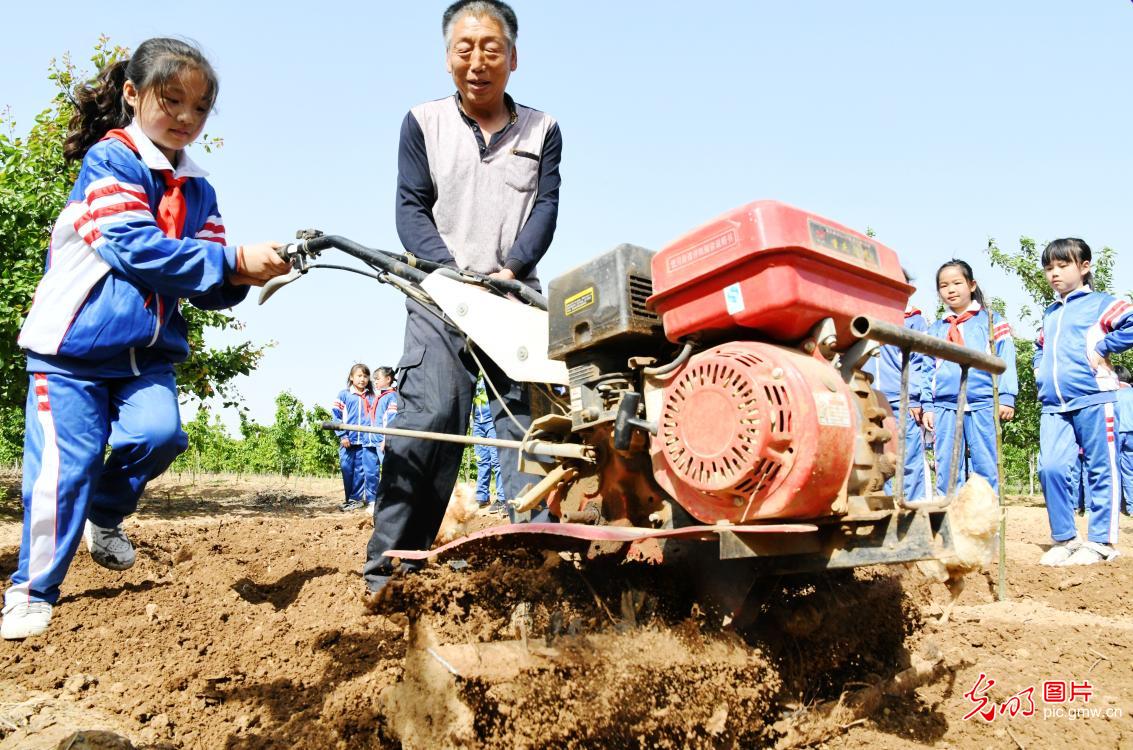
[(244, 625)]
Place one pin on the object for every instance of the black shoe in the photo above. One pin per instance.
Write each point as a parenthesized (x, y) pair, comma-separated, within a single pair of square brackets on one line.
[(110, 548), (351, 505)]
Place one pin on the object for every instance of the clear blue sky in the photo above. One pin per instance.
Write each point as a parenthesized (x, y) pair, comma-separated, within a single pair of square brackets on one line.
[(938, 125)]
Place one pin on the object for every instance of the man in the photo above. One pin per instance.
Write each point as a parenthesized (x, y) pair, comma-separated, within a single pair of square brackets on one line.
[(478, 189)]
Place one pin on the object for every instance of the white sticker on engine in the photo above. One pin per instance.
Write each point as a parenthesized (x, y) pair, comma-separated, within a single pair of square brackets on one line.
[(734, 299), (833, 409), (576, 399)]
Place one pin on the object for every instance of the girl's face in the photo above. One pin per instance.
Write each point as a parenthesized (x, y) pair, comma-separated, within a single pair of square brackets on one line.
[(359, 379), (382, 381), (955, 289), (1064, 276), (172, 117)]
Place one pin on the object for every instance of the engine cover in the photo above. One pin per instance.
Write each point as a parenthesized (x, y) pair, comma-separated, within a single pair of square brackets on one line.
[(749, 430)]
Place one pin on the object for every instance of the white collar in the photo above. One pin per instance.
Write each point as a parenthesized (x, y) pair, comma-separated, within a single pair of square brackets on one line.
[(1084, 289), (974, 307), (153, 158)]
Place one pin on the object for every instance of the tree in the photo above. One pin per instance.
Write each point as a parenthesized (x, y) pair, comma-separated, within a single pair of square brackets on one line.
[(34, 185), (295, 445)]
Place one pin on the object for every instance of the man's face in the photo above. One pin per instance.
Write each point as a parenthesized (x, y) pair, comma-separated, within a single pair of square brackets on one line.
[(480, 61)]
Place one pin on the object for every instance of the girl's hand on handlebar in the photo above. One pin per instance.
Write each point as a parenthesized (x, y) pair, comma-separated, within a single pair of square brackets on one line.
[(259, 262)]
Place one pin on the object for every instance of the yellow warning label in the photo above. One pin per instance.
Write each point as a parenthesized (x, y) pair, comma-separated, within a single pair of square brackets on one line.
[(580, 301)]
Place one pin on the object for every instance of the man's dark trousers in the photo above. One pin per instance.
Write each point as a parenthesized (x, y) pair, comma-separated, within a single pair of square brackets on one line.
[(436, 382)]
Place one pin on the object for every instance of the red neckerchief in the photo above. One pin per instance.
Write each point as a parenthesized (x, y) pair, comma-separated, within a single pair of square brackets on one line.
[(171, 210), (368, 409), (911, 313), (955, 335)]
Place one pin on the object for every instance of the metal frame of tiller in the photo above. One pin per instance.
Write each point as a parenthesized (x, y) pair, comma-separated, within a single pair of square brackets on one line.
[(875, 529)]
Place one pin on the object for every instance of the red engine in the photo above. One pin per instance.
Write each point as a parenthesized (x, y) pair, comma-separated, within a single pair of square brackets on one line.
[(751, 430), (761, 423)]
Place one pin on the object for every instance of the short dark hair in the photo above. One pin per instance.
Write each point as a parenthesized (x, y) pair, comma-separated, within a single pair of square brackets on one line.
[(1123, 374), (1069, 250), (966, 272), (497, 9)]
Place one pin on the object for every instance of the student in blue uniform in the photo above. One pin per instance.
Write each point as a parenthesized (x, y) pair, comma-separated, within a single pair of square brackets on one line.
[(886, 371), (387, 405), (1077, 390), (357, 404), (966, 324), (487, 457), (140, 232), (386, 413), (1125, 436)]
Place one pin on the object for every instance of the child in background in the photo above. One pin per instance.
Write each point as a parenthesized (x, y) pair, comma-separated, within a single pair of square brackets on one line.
[(886, 371), (387, 407), (1125, 436), (140, 232), (966, 324), (357, 404), (1077, 390), (487, 457)]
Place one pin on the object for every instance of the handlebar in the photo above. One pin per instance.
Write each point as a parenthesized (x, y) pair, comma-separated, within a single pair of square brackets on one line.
[(403, 265)]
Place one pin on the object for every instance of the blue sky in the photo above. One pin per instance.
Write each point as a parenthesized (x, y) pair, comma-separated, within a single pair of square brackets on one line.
[(938, 125)]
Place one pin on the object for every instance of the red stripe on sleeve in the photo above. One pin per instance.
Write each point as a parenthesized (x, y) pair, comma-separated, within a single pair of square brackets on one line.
[(118, 209), (116, 189)]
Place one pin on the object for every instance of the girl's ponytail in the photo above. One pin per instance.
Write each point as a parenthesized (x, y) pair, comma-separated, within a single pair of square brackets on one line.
[(100, 105), (99, 108)]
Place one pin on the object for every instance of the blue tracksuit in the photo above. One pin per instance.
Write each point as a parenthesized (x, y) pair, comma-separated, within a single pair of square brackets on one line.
[(1078, 409), (1124, 406), (103, 334), (358, 461), (386, 412), (886, 371), (487, 457), (941, 389)]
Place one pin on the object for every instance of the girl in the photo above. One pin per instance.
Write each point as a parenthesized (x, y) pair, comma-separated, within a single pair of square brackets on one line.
[(140, 232), (357, 404), (1077, 389), (387, 404), (966, 324)]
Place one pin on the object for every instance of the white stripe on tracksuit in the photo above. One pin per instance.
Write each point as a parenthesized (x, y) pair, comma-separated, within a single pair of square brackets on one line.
[(44, 500)]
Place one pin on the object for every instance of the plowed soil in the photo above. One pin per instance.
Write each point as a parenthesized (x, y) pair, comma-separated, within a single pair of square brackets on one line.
[(244, 625)]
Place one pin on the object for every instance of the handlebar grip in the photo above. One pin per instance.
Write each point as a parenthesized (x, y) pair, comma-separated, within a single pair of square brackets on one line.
[(288, 252)]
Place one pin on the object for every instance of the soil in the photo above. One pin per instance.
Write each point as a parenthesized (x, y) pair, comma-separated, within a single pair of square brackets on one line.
[(244, 625)]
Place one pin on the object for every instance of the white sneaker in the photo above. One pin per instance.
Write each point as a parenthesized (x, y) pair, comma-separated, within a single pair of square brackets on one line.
[(1090, 553), (1060, 552), (24, 620)]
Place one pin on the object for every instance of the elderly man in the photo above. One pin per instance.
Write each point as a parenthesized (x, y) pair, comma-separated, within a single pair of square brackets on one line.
[(478, 189)]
